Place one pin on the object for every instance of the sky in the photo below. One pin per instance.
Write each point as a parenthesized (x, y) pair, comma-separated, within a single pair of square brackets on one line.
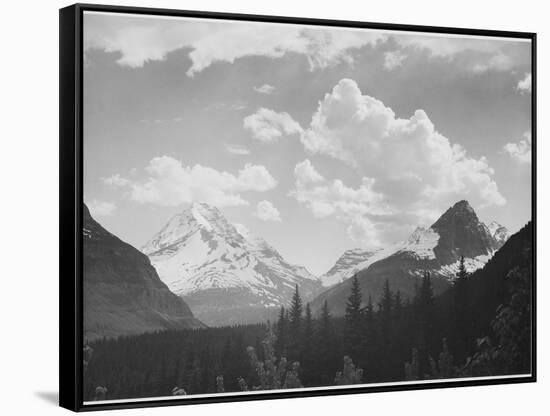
[(317, 139)]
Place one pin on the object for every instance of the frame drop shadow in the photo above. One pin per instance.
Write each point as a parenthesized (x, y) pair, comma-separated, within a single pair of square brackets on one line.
[(52, 397)]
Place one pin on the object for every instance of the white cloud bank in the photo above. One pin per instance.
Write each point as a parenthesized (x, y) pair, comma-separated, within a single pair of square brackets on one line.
[(326, 198), (520, 151), (170, 183), (524, 84), (142, 39), (265, 211), (101, 208), (267, 125), (406, 166)]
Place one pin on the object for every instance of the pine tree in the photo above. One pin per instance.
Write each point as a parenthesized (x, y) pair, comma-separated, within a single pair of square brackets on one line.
[(425, 315), (371, 340), (296, 307), (295, 326), (353, 321), (307, 363), (460, 313), (397, 305), (281, 334), (326, 348), (325, 317), (385, 308), (308, 322)]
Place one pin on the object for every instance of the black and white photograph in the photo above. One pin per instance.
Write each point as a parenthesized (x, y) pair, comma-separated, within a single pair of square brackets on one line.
[(273, 207)]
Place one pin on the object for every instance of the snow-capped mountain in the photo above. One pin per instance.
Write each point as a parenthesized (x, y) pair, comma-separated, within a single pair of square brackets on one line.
[(421, 244), (349, 263), (499, 232), (225, 274), (437, 249)]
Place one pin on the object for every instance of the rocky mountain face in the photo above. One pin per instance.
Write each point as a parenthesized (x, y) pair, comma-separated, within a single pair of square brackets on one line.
[(462, 234), (123, 294), (226, 275), (437, 249)]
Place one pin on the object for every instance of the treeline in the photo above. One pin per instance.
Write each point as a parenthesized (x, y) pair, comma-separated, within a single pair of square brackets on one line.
[(153, 364), (480, 327)]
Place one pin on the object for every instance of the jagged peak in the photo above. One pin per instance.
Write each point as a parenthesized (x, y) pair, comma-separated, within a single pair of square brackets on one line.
[(462, 206), (201, 207), (462, 209), (463, 203)]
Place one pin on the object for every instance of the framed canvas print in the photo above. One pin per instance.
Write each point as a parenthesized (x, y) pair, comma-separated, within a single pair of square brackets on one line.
[(257, 207)]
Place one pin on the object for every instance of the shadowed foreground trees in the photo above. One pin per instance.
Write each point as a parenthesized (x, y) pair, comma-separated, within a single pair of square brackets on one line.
[(420, 338)]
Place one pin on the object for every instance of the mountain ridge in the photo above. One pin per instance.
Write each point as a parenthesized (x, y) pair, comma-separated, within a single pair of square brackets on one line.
[(437, 249), (221, 271), (123, 294), (422, 242)]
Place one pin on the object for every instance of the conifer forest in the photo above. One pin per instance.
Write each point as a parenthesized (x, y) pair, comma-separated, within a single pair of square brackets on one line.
[(481, 326)]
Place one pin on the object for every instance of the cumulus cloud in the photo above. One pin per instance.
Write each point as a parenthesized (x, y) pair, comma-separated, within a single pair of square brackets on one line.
[(101, 208), (267, 125), (142, 39), (236, 150), (170, 183), (393, 59), (524, 84), (115, 181), (418, 171), (332, 198), (265, 89), (265, 211), (521, 150)]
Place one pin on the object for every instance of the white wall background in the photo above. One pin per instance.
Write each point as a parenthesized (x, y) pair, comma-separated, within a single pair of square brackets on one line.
[(29, 206)]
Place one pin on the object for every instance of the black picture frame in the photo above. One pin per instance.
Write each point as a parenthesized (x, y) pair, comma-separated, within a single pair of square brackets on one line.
[(71, 203)]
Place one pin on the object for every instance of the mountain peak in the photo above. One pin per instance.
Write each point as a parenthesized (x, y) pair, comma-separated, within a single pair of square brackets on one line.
[(462, 206), (463, 203), (461, 210), (462, 234), (202, 207), (225, 273)]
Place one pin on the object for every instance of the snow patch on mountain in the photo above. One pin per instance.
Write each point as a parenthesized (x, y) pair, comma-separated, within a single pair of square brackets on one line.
[(348, 264), (450, 271), (421, 243), (199, 250), (499, 232)]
